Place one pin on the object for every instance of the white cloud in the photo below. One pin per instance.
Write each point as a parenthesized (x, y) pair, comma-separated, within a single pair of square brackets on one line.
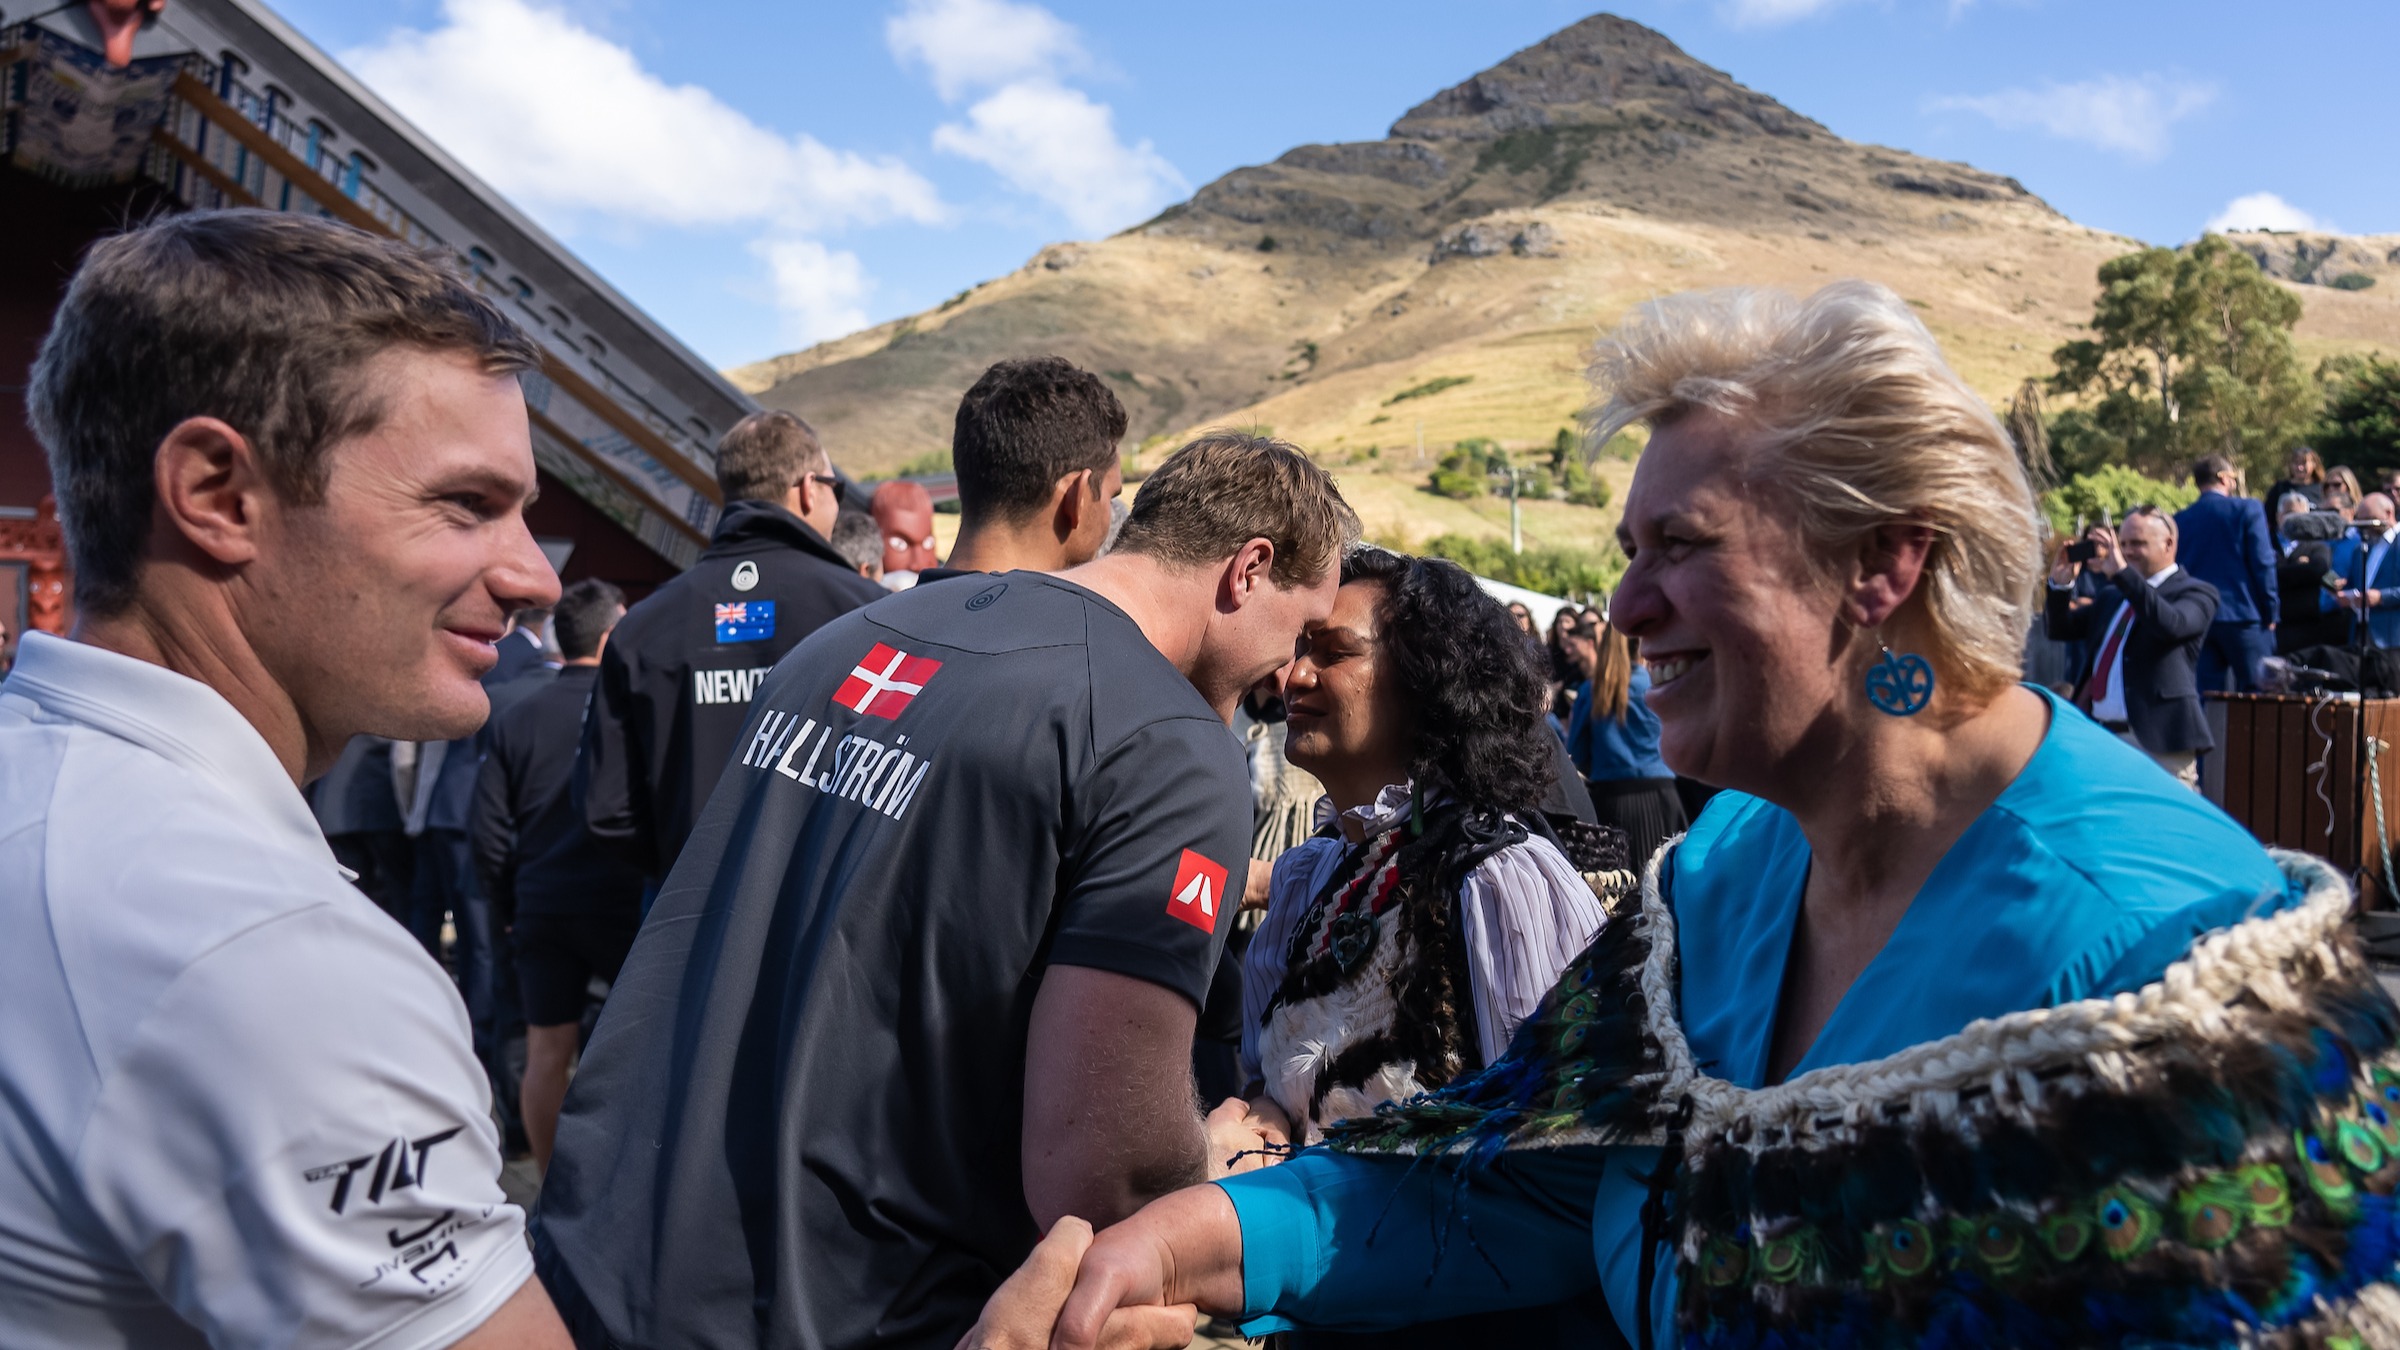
[(1054, 143), (2129, 114), (559, 117), (1046, 139), (821, 292), (1768, 13), (2265, 211), (571, 126), (977, 44)]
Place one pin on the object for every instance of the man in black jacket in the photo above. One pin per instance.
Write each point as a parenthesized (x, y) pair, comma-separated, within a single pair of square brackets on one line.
[(570, 906), (676, 681), (2148, 626)]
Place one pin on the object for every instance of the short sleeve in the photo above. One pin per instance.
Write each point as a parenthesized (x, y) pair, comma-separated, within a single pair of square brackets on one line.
[(1158, 864), (297, 1149)]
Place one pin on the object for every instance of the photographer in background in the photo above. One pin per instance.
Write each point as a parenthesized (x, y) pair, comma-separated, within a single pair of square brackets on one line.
[(2150, 622)]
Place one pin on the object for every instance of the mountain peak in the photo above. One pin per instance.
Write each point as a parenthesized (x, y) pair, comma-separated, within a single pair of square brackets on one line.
[(1602, 69)]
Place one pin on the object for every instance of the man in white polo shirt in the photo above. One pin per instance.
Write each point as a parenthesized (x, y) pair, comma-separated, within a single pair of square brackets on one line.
[(237, 1102)]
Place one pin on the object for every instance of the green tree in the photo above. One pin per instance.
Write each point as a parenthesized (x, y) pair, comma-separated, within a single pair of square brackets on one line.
[(1552, 571), (2111, 491), (2360, 426), (1583, 487), (2191, 355)]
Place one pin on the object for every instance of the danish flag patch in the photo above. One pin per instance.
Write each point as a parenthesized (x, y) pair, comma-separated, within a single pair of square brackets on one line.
[(1199, 892), (884, 681)]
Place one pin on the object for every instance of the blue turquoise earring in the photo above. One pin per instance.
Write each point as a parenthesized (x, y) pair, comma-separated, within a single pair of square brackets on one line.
[(1900, 685)]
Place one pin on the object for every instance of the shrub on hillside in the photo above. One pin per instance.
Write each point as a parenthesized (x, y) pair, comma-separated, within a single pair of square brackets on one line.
[(1429, 388)]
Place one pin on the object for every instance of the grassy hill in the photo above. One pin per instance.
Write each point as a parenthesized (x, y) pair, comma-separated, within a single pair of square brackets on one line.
[(1447, 281)]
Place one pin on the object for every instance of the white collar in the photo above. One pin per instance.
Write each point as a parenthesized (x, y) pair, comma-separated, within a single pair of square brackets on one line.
[(173, 716), (2163, 573), (1390, 808)]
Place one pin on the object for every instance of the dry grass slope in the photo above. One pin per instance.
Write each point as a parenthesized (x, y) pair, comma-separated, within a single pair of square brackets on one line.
[(1482, 245)]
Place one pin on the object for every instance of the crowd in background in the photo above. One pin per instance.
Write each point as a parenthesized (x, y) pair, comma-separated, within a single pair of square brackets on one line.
[(835, 921), (2230, 594)]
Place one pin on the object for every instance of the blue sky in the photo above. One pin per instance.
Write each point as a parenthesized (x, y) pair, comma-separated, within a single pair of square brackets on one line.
[(761, 175)]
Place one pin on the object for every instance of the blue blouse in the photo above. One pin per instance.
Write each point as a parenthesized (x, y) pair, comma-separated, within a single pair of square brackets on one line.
[(1610, 748), (2090, 874)]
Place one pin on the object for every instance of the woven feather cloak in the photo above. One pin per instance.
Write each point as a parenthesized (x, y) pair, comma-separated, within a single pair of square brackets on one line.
[(2210, 1161)]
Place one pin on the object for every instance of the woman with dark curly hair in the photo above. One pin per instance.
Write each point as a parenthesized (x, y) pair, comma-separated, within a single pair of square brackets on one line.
[(1403, 948)]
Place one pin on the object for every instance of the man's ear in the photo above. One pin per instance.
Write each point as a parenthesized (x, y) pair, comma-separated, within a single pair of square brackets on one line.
[(211, 490), (1071, 499), (1250, 568), (1890, 563)]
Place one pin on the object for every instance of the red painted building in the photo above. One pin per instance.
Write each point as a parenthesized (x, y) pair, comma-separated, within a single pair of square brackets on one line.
[(218, 103)]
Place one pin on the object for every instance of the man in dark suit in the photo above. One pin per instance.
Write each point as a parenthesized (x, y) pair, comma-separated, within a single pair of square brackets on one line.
[(2222, 539), (2150, 622), (570, 907), (446, 773), (2371, 564)]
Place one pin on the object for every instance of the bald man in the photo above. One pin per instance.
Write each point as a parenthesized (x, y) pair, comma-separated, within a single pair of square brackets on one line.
[(2373, 568), (904, 510), (2149, 623)]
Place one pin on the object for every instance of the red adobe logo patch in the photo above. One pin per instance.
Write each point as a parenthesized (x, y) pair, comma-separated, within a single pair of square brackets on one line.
[(1199, 892), (884, 681)]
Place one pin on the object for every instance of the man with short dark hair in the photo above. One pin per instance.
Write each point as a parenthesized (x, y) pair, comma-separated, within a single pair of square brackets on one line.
[(2223, 539), (928, 975), (570, 907), (1034, 446), (676, 681), (237, 1103)]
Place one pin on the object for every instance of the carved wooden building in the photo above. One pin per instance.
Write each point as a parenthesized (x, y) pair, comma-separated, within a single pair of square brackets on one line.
[(110, 113)]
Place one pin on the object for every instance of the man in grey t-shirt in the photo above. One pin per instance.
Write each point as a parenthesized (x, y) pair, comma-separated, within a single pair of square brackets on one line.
[(926, 977)]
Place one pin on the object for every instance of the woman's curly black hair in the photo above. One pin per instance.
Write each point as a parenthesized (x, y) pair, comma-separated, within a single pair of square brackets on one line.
[(1469, 675)]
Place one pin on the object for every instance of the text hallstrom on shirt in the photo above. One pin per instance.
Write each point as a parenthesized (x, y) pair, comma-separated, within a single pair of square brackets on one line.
[(860, 768)]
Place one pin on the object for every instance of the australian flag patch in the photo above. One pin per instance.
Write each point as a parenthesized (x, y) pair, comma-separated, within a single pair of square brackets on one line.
[(746, 621)]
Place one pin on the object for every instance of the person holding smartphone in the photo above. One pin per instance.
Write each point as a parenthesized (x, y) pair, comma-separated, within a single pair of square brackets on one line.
[(2149, 623)]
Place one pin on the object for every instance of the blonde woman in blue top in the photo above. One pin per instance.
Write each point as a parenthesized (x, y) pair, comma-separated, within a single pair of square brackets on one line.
[(1862, 1080)]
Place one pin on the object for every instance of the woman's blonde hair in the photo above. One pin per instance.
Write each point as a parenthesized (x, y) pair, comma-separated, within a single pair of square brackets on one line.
[(1851, 411)]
